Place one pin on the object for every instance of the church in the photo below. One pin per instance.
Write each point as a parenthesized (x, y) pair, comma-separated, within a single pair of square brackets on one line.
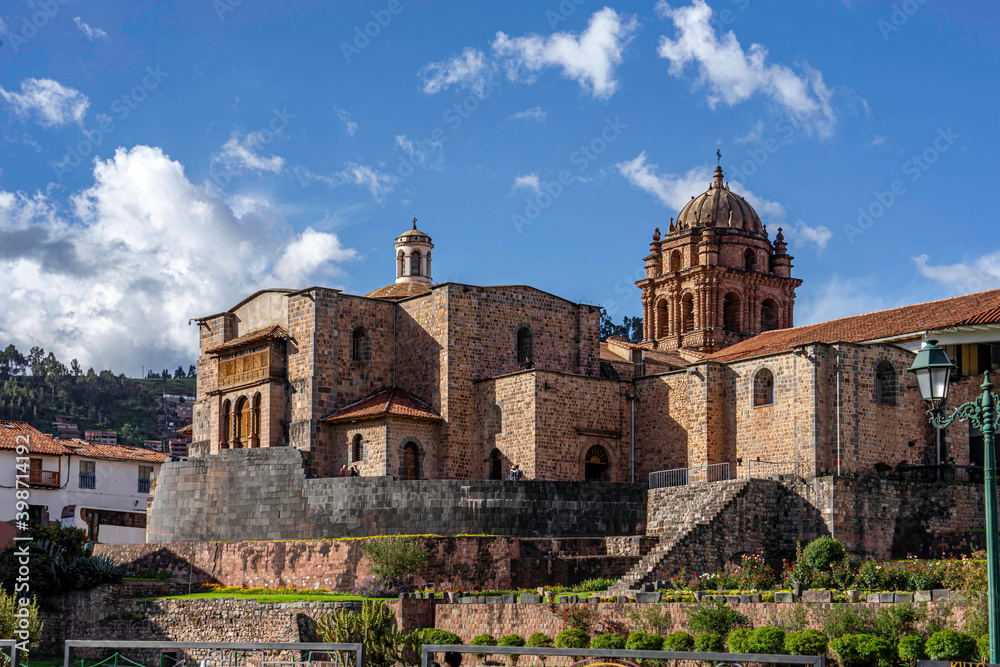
[(425, 380)]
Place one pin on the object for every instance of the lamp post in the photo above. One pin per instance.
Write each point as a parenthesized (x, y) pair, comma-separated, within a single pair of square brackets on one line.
[(933, 370)]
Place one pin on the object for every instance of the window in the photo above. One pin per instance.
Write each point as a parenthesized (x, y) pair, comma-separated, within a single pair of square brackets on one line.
[(357, 449), (399, 264), (411, 461), (595, 464), (525, 346), (227, 424), (675, 260), (687, 313), (359, 345), (415, 263), (255, 423), (768, 315), (731, 313), (749, 261), (145, 477), (886, 383), (763, 388), (662, 319), (496, 465), (88, 474), (494, 423), (241, 426)]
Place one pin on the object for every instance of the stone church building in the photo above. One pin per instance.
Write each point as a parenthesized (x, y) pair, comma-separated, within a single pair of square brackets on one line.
[(424, 380)]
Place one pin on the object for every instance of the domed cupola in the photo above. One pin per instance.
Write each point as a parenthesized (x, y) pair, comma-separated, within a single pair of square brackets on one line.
[(718, 207), (413, 256)]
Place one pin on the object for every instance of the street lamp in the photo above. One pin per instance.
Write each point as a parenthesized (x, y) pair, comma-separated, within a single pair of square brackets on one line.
[(933, 370)]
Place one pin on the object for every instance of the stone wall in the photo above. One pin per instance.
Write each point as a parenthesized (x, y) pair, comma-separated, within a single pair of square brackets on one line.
[(455, 563), (263, 494)]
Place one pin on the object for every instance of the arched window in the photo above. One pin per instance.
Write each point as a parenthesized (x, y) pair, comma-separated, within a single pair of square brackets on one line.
[(662, 319), (357, 449), (415, 263), (255, 422), (768, 315), (227, 424), (731, 312), (494, 423), (749, 261), (763, 387), (241, 430), (525, 346), (400, 259), (496, 465), (359, 345), (411, 461), (886, 383), (675, 260), (595, 464), (687, 313)]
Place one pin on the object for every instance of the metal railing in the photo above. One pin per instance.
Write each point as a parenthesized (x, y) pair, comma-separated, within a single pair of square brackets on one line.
[(758, 469), (224, 654), (579, 654), (43, 477), (10, 646), (144, 484), (716, 472)]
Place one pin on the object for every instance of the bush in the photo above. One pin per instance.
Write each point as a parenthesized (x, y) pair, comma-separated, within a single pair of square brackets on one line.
[(540, 640), (807, 642), (608, 641), (710, 642), (870, 575), (395, 557), (766, 640), (440, 637), (511, 640), (380, 587), (717, 617), (597, 584), (485, 639), (983, 643), (654, 619), (374, 626), (754, 573), (863, 651), (823, 553), (911, 649), (9, 621), (678, 641), (737, 640), (572, 638), (951, 645), (840, 620), (893, 622), (644, 641)]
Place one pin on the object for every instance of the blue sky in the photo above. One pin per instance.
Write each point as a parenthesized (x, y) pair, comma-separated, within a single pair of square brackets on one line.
[(161, 161)]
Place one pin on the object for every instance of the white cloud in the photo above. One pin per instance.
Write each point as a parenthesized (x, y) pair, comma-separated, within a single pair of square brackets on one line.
[(470, 71), (378, 183), (589, 59), (528, 182), (91, 33), (841, 298), (733, 75), (672, 190), (240, 153), (753, 136), (534, 113), (349, 125), (877, 140), (52, 103), (975, 275), (114, 280), (801, 234)]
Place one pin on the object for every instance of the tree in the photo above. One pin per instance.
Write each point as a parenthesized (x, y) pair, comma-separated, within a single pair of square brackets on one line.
[(630, 329), (192, 371), (35, 357), (74, 366), (179, 373), (12, 362), (165, 374), (151, 374)]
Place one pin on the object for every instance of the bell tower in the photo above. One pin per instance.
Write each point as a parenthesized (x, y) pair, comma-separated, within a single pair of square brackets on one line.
[(413, 256)]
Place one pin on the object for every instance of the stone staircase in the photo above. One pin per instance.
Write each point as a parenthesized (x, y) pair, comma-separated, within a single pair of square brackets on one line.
[(674, 514)]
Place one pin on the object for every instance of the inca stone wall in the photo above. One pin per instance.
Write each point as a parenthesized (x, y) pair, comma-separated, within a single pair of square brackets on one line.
[(264, 494)]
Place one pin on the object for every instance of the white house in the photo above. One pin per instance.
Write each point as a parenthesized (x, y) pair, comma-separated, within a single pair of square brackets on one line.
[(101, 488)]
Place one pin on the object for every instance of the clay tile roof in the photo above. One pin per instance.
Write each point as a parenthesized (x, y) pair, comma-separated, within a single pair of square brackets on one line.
[(398, 291), (38, 442), (388, 402), (115, 452), (628, 345), (991, 316), (187, 430), (255, 336), (880, 325)]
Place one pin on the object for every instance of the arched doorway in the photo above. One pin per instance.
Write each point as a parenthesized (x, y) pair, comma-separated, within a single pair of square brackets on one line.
[(496, 465), (768, 315), (411, 461), (687, 313), (595, 464)]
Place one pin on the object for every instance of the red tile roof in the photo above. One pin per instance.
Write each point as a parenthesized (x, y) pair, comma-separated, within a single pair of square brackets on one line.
[(38, 442), (398, 291), (991, 316), (255, 336), (883, 324), (388, 402), (115, 452)]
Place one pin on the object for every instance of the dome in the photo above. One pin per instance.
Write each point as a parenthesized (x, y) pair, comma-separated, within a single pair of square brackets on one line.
[(413, 235), (718, 207)]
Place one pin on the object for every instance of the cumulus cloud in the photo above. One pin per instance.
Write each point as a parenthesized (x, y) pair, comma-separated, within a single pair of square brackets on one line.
[(240, 153), (377, 182), (800, 234), (528, 182), (113, 279), (732, 75), (469, 70), (974, 275), (842, 298), (90, 32), (50, 102), (349, 125), (534, 113), (589, 59)]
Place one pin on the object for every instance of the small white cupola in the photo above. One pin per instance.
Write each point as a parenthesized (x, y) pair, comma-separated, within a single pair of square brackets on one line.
[(413, 256)]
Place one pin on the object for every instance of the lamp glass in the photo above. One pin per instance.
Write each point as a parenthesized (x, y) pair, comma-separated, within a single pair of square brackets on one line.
[(939, 383), (924, 383)]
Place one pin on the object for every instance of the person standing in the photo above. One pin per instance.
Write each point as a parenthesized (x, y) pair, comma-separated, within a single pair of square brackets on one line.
[(515, 473)]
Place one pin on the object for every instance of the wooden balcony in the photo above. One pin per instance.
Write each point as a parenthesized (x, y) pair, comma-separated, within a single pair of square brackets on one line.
[(46, 478)]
